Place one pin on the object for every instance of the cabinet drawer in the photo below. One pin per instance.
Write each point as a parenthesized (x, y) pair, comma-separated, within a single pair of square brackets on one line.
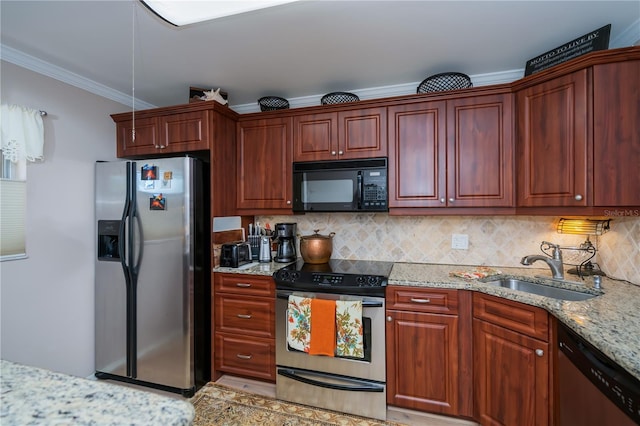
[(244, 284), (239, 355), (251, 316), (515, 316), (422, 300)]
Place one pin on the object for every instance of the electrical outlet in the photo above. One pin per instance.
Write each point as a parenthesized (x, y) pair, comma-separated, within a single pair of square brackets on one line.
[(459, 241)]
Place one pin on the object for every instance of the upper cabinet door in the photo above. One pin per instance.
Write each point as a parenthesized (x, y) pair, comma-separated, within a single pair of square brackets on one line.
[(362, 133), (480, 152), (183, 132), (616, 134), (417, 154), (315, 136), (137, 137), (340, 135), (264, 162), (552, 142)]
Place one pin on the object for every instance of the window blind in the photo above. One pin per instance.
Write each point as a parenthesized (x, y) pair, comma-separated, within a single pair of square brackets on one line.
[(13, 197)]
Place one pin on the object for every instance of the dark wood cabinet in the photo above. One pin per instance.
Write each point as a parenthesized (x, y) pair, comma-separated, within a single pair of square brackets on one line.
[(553, 142), (616, 134), (264, 166), (206, 130), (163, 132), (417, 154), (340, 135), (480, 151), (244, 326), (427, 350), (453, 153), (315, 136), (512, 362), (137, 137)]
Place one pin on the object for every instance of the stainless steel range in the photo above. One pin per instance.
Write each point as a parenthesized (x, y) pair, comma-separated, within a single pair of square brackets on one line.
[(346, 383)]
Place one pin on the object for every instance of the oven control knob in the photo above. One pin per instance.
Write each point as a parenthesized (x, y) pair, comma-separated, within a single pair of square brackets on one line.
[(287, 276)]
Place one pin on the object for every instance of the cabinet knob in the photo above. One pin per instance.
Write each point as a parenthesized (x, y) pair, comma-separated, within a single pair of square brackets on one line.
[(539, 352), (578, 197), (451, 200), (340, 152), (442, 200), (389, 319), (414, 300), (242, 356), (333, 153), (243, 285), (288, 201), (243, 316)]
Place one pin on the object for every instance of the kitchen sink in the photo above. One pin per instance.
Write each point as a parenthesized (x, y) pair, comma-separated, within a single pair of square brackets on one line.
[(541, 289)]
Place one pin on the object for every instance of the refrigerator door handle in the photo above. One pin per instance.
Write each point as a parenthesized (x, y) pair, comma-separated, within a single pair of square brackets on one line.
[(122, 237), (136, 235)]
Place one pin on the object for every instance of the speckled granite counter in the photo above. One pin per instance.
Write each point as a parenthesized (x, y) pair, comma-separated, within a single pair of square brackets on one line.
[(33, 396), (611, 322), (255, 268)]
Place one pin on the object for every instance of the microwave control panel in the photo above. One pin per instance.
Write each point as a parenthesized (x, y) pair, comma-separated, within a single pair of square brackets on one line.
[(374, 189)]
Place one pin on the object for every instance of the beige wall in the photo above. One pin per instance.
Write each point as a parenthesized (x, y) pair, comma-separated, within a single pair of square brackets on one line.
[(493, 240), (47, 299)]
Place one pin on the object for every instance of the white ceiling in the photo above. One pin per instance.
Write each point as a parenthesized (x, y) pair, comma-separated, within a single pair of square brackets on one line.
[(299, 51)]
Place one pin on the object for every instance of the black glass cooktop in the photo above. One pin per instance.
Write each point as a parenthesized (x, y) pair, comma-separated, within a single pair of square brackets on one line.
[(337, 276)]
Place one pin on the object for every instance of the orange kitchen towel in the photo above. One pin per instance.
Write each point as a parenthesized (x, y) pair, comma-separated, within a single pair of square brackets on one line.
[(323, 327)]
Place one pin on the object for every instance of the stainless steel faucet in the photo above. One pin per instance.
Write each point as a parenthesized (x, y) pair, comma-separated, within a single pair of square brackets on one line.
[(554, 262)]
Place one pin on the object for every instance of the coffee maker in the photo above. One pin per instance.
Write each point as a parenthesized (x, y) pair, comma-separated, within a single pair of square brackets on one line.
[(285, 237)]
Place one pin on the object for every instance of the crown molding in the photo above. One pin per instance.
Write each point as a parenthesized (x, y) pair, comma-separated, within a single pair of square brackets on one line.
[(390, 91), (629, 37), (34, 64)]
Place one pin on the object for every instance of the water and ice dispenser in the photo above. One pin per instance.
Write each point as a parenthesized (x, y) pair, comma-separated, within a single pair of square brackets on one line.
[(108, 240)]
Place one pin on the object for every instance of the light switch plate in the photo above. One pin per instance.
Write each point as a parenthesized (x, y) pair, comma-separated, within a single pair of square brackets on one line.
[(459, 241)]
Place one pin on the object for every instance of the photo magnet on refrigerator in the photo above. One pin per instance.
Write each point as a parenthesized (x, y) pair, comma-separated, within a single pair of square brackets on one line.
[(157, 202)]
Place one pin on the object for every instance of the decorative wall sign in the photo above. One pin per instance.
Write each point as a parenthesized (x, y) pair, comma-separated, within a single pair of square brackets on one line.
[(590, 42)]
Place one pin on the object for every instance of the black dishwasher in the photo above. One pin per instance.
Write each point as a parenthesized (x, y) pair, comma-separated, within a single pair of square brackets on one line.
[(593, 389)]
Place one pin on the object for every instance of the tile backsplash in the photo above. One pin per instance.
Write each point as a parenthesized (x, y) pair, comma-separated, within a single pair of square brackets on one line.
[(493, 240)]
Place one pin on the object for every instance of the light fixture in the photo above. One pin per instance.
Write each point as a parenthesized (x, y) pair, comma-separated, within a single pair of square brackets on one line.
[(187, 12), (586, 251)]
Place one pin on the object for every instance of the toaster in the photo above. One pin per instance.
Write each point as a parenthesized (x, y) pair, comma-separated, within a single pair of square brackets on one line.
[(235, 254)]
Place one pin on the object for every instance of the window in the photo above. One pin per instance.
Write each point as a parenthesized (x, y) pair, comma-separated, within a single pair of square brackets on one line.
[(13, 197), (21, 140)]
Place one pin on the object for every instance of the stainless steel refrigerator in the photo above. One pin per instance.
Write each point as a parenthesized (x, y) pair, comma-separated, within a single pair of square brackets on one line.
[(152, 273)]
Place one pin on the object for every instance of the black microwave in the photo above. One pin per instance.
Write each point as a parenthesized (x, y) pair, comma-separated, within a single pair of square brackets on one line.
[(340, 186)]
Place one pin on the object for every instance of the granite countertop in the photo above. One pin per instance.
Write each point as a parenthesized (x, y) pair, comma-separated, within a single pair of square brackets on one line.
[(255, 268), (610, 322), (33, 396)]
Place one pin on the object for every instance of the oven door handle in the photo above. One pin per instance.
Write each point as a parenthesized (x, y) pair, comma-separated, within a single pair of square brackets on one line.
[(354, 384), (280, 294)]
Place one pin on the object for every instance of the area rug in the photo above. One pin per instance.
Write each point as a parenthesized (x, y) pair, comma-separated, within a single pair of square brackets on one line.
[(222, 406)]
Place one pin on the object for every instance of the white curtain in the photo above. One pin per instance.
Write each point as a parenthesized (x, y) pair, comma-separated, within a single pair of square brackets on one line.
[(22, 133), (21, 140)]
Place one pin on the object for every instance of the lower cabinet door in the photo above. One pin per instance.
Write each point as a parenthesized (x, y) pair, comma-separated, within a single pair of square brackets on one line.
[(245, 356), (422, 361), (511, 377)]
